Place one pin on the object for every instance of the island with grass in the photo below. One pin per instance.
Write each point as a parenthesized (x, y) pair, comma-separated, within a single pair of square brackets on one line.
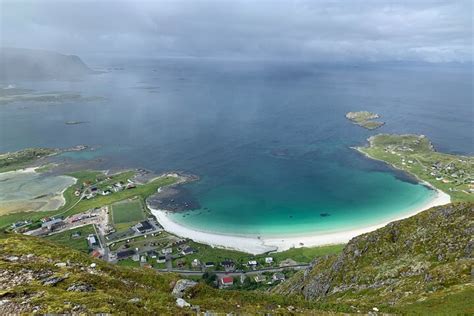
[(414, 154), (20, 159), (365, 119)]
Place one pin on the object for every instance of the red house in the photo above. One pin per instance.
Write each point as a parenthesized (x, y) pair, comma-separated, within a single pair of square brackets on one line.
[(227, 281)]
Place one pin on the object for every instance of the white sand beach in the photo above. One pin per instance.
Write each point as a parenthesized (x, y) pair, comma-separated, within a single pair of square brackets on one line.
[(255, 245), (246, 244)]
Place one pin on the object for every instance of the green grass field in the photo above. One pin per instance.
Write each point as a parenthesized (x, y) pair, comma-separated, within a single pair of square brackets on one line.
[(130, 211), (306, 254), (302, 255), (128, 263), (162, 239), (79, 243)]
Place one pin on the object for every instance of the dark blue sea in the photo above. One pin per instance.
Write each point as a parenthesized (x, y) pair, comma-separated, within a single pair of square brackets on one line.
[(268, 139)]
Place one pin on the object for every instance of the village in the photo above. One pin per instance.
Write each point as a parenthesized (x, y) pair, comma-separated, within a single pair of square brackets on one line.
[(125, 233), (415, 154)]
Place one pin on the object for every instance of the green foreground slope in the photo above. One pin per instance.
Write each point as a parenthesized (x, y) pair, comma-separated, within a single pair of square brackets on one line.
[(38, 275), (420, 264)]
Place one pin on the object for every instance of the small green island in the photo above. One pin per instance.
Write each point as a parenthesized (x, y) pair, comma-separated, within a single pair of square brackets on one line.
[(414, 154), (365, 119)]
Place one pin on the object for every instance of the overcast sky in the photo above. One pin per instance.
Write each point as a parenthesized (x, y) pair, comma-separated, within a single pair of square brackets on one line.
[(420, 30)]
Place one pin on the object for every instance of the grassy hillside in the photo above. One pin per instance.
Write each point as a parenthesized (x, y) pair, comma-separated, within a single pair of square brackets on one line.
[(420, 264), (38, 275)]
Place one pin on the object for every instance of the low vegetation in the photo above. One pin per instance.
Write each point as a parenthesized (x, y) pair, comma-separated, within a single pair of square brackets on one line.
[(452, 174), (413, 265), (74, 238), (207, 253), (127, 213), (365, 119), (75, 205), (20, 159), (41, 276)]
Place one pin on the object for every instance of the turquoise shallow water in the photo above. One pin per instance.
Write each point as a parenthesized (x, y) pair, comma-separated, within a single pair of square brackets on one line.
[(269, 140), (272, 207)]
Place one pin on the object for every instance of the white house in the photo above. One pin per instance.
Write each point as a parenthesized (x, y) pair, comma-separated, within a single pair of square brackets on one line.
[(268, 260)]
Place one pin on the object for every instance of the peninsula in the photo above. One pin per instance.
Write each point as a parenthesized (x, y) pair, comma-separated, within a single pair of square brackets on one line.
[(414, 154), (365, 119), (36, 64), (20, 159)]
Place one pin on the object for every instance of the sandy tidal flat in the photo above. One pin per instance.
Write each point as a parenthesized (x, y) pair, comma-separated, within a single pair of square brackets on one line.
[(26, 190)]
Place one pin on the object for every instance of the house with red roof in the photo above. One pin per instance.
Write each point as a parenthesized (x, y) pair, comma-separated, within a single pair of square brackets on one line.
[(226, 281)]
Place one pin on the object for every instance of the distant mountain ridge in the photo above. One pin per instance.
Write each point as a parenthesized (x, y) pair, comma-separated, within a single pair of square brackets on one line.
[(33, 64)]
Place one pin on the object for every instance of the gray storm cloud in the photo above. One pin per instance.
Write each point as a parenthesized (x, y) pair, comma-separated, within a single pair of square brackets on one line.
[(435, 31)]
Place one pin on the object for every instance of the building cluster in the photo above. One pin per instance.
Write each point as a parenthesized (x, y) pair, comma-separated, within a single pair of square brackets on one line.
[(91, 191), (457, 172), (156, 254), (453, 172), (272, 278)]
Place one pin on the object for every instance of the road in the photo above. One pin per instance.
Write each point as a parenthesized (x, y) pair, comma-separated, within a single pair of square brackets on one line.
[(236, 273)]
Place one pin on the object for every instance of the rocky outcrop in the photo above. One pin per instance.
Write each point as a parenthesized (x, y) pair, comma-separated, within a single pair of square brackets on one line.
[(413, 259), (181, 286)]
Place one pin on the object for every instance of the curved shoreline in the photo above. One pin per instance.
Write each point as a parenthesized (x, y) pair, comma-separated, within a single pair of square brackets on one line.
[(54, 200), (255, 245)]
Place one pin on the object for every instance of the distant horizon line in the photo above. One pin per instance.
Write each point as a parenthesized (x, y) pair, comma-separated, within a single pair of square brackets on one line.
[(248, 58)]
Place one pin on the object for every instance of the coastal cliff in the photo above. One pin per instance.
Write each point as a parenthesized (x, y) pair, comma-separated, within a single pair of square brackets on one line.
[(32, 64), (411, 265)]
